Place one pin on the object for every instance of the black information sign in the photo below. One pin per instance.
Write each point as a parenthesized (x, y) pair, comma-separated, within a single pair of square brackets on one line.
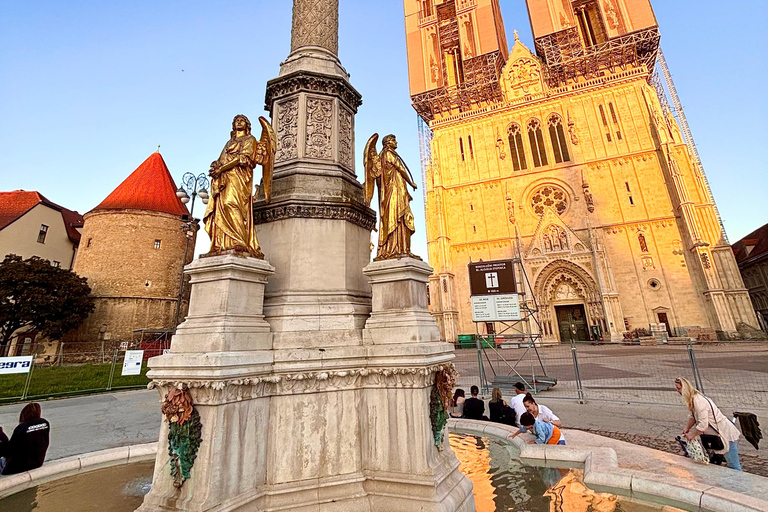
[(492, 277)]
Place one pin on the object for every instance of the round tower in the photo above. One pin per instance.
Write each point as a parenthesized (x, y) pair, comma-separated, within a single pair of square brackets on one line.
[(132, 249)]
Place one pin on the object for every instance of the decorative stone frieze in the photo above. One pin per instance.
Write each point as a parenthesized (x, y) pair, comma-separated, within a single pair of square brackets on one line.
[(287, 129), (319, 142), (213, 392), (348, 212), (307, 81)]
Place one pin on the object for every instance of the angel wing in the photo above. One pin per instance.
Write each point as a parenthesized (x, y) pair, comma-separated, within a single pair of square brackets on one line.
[(269, 141), (372, 164)]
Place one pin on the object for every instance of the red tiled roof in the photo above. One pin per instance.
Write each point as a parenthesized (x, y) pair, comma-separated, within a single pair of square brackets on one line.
[(13, 205), (758, 239), (150, 187)]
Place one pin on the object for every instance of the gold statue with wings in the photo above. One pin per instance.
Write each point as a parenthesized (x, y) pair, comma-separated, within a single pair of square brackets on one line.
[(229, 216), (387, 170)]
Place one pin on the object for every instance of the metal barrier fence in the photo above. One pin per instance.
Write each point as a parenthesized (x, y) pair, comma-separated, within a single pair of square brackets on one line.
[(735, 373), (73, 374)]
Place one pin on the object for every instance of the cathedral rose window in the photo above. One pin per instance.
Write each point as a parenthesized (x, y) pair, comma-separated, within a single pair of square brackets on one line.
[(549, 196)]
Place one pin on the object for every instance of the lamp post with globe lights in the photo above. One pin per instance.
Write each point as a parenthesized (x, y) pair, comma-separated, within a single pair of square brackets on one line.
[(190, 189)]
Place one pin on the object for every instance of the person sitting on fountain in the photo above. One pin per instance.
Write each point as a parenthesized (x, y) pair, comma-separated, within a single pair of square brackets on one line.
[(474, 408), (543, 432), (27, 447)]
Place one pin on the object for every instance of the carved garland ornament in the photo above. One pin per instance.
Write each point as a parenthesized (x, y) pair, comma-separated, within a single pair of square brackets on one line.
[(184, 433), (365, 219), (287, 130), (209, 392), (319, 129)]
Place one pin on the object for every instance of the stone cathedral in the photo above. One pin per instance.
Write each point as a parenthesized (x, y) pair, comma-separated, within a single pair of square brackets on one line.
[(569, 158)]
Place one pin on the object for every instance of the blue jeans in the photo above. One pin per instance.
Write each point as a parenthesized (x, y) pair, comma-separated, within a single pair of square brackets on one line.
[(732, 457)]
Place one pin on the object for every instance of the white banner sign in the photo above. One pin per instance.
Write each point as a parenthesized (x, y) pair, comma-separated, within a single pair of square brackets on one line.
[(20, 364), (496, 308), (132, 362)]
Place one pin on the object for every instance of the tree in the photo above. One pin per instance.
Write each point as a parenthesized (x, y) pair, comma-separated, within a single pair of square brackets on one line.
[(33, 293)]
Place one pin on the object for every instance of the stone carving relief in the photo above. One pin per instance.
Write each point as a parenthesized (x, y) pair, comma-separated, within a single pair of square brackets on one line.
[(315, 23), (648, 263), (572, 130), (566, 291), (364, 219), (500, 145), (346, 151), (319, 128), (313, 83), (226, 391), (677, 250), (705, 262), (524, 76), (287, 130), (555, 239), (611, 14)]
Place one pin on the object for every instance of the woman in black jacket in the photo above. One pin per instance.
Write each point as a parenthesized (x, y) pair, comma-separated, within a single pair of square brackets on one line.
[(500, 411), (27, 446)]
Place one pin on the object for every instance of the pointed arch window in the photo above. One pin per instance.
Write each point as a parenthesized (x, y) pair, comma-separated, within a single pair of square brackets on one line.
[(536, 138), (557, 136), (516, 147)]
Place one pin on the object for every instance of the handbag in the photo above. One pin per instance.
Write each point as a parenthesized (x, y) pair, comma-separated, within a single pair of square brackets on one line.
[(709, 441), (694, 450)]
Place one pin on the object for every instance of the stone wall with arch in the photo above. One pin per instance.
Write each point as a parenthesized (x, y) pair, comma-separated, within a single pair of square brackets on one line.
[(563, 282)]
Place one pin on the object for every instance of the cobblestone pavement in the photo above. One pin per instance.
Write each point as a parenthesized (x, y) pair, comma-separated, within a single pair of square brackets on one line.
[(750, 463)]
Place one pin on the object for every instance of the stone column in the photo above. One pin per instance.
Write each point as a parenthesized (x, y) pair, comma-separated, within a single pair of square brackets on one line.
[(316, 230), (315, 24)]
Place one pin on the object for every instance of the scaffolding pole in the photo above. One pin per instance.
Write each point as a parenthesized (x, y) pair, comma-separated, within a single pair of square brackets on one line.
[(680, 114), (425, 152)]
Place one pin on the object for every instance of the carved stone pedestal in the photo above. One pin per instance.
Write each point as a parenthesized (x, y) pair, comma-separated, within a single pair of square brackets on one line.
[(223, 354), (399, 311)]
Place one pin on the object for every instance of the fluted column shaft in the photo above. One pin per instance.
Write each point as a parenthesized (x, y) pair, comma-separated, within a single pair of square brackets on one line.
[(315, 23)]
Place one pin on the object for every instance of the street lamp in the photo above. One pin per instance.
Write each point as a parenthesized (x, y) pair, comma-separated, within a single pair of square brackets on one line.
[(195, 186)]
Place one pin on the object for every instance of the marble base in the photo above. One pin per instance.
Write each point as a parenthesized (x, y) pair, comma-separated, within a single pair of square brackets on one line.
[(225, 306), (400, 313)]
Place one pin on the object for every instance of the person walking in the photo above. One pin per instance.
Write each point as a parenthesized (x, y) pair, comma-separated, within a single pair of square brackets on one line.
[(540, 412), (28, 444), (457, 404), (500, 411), (706, 420), (474, 408)]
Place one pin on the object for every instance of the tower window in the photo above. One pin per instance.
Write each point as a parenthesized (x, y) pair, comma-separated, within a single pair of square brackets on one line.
[(471, 207), (89, 242), (608, 136), (516, 147), (461, 148), (471, 149), (557, 136), (158, 243), (631, 201), (626, 184), (56, 264), (602, 115), (536, 138), (643, 243), (474, 229), (42, 234), (613, 113)]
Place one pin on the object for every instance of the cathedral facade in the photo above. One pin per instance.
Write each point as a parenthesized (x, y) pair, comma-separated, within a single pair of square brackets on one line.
[(567, 158)]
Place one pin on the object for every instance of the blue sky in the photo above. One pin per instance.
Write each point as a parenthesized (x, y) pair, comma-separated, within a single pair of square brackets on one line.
[(88, 89)]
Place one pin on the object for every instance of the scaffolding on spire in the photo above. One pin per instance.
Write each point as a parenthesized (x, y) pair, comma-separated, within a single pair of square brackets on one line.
[(669, 86), (425, 151)]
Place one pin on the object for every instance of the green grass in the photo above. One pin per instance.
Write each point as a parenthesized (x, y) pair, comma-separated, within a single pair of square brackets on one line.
[(55, 381)]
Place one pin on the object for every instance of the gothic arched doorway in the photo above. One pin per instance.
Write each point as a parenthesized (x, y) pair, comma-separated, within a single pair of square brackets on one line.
[(570, 302)]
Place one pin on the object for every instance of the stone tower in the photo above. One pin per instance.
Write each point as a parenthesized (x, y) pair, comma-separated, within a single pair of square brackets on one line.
[(131, 251), (573, 161)]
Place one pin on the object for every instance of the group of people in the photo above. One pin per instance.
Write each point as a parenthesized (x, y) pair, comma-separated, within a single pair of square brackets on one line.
[(522, 412), (28, 444), (706, 424)]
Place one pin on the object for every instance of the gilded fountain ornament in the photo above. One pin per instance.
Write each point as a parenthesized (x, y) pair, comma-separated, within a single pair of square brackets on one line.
[(389, 173), (229, 216)]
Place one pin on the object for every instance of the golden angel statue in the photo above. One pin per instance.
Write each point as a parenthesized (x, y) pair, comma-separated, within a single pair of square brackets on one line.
[(389, 172), (229, 216)]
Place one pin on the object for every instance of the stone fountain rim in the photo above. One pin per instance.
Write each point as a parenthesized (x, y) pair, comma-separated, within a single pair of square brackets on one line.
[(76, 464), (602, 472)]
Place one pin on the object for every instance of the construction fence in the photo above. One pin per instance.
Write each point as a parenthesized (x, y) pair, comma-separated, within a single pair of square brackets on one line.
[(733, 373), (76, 373)]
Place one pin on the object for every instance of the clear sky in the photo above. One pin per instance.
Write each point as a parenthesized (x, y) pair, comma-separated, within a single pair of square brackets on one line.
[(89, 88)]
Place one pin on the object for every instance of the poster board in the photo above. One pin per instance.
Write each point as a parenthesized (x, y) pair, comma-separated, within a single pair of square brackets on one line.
[(17, 364), (132, 362), (496, 308)]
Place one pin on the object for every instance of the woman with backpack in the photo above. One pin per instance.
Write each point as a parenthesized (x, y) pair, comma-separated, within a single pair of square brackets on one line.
[(706, 421)]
